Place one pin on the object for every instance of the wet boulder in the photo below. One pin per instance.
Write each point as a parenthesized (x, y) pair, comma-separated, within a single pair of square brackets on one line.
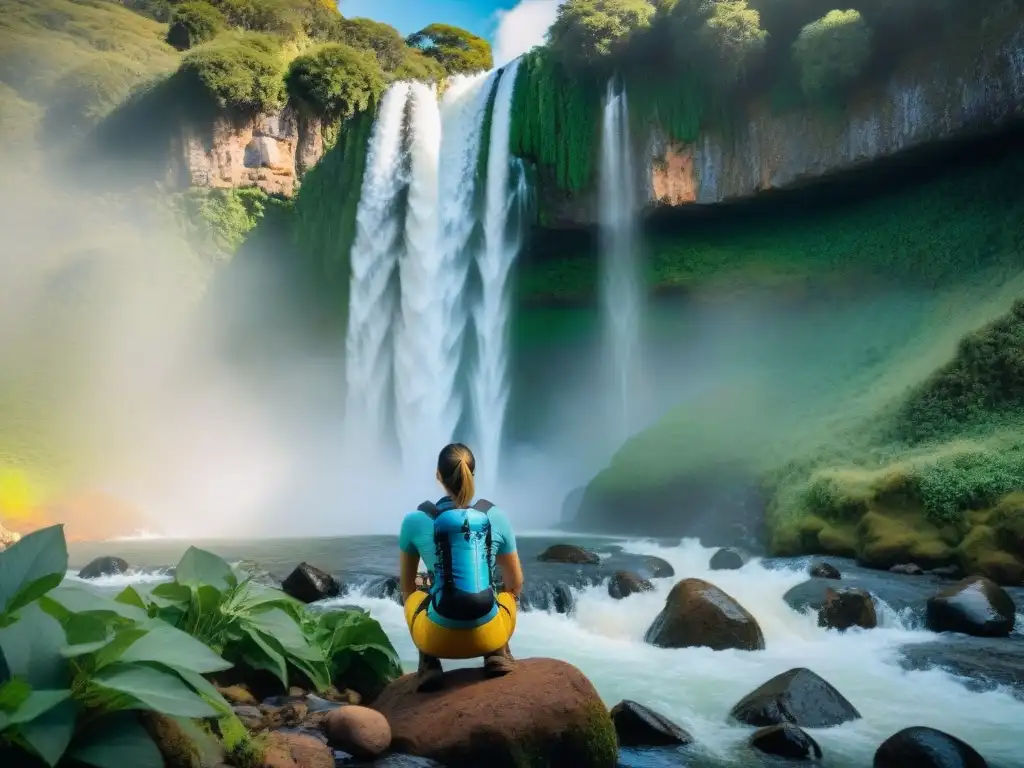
[(699, 614), (824, 571), (103, 566), (920, 747), (638, 726), (799, 697), (727, 559), (907, 569), (309, 584), (808, 594), (847, 608), (544, 707), (548, 596), (657, 568), (384, 588), (568, 553), (973, 606), (362, 732), (786, 740), (625, 583)]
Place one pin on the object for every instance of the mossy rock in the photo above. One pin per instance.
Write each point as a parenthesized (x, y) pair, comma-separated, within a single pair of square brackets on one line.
[(1008, 523), (980, 553), (812, 535), (894, 538)]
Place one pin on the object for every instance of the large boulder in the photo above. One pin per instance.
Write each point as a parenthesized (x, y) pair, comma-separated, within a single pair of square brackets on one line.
[(625, 583), (785, 740), (920, 747), (727, 559), (103, 566), (638, 726), (974, 606), (699, 614), (545, 712), (568, 553), (310, 584), (799, 697), (847, 608), (824, 571), (657, 568), (808, 594)]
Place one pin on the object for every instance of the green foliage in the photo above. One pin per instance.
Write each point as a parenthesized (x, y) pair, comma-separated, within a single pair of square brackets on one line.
[(335, 80), (76, 664), (832, 51), (385, 41), (357, 647), (417, 66), (732, 36), (241, 72), (217, 221), (555, 120), (457, 50), (249, 624), (587, 32), (193, 23)]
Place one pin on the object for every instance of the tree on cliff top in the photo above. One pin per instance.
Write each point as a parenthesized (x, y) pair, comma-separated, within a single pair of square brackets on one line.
[(383, 39), (588, 31), (335, 80), (456, 49), (194, 23), (832, 51)]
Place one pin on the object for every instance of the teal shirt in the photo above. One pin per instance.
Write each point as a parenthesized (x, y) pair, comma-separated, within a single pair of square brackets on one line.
[(417, 538)]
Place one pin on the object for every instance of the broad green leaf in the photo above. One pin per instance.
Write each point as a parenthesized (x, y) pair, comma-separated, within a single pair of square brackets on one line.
[(117, 741), (166, 645), (204, 688), (5, 671), (33, 648), (252, 595), (198, 567), (171, 593), (80, 598), (284, 630), (32, 567), (316, 671), (154, 689), (86, 629), (259, 654), (38, 703), (206, 599), (131, 596), (13, 694), (123, 642), (50, 733)]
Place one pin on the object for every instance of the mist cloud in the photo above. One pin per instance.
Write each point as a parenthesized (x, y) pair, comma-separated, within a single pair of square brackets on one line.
[(522, 27)]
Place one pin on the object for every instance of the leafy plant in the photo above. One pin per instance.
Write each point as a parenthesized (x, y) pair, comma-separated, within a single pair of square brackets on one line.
[(832, 51), (251, 625), (336, 80), (193, 23), (456, 49), (76, 665), (356, 647)]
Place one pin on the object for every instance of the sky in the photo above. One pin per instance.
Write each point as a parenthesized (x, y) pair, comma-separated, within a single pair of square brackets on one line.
[(512, 26)]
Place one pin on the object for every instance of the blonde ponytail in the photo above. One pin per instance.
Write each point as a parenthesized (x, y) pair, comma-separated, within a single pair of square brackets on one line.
[(463, 495), (455, 468)]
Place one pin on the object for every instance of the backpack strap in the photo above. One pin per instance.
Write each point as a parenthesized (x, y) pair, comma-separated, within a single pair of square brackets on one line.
[(483, 505), (430, 508)]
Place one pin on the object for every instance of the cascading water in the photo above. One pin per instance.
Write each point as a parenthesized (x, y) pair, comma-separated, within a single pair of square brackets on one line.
[(445, 148), (503, 214), (374, 257), (621, 285)]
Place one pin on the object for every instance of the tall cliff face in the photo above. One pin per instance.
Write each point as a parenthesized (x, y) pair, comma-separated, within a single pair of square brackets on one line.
[(948, 96), (269, 151)]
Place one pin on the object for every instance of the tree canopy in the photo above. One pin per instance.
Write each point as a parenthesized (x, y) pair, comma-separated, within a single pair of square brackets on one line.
[(335, 80), (586, 32), (832, 51), (457, 50), (193, 23), (384, 40)]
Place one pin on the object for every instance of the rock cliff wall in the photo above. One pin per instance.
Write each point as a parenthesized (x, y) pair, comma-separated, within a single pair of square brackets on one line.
[(270, 152), (929, 98)]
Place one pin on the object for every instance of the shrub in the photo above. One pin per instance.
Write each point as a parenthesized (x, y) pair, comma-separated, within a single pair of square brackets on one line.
[(75, 666), (193, 23), (384, 40), (832, 51), (588, 31), (457, 50), (241, 72), (336, 80), (277, 17), (416, 66), (731, 38)]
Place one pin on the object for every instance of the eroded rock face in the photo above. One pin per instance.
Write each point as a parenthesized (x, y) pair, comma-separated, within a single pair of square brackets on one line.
[(544, 706), (699, 614), (926, 748), (270, 152), (974, 606), (798, 696)]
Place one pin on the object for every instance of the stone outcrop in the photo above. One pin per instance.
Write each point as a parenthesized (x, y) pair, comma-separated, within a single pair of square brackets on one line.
[(568, 553), (545, 712), (103, 566), (638, 726), (622, 584), (699, 614), (270, 152), (930, 97), (309, 584), (846, 608), (799, 697), (974, 606), (926, 748)]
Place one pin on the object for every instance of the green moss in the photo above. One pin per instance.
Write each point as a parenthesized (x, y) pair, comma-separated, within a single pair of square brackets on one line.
[(980, 552), (1007, 520), (238, 72), (589, 741), (903, 536)]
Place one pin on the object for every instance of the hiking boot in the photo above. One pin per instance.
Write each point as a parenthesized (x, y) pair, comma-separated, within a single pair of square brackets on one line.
[(499, 663), (430, 674)]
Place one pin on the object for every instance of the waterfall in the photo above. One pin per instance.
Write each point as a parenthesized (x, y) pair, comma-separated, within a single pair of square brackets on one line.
[(374, 257), (502, 220), (445, 147), (621, 282)]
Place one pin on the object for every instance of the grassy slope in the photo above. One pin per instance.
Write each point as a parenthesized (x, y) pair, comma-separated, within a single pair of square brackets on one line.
[(833, 437)]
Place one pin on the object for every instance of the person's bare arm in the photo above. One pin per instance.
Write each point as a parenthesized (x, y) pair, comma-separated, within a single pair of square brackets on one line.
[(511, 573), (409, 564)]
